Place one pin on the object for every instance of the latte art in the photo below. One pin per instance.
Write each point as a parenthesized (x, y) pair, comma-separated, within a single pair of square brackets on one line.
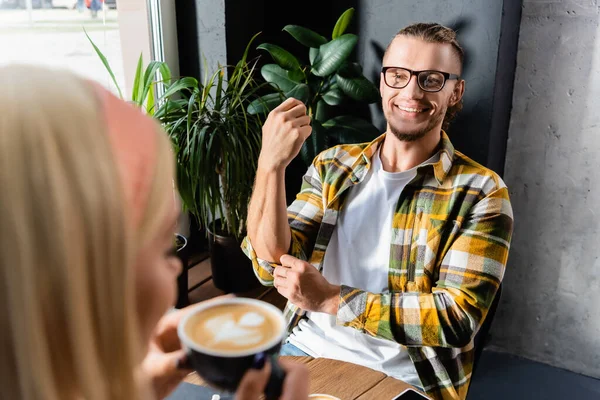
[(231, 328), (243, 332)]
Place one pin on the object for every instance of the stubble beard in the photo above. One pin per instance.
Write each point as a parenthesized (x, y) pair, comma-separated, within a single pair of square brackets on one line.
[(413, 136)]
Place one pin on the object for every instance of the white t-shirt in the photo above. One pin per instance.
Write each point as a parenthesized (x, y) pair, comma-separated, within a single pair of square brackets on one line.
[(358, 255)]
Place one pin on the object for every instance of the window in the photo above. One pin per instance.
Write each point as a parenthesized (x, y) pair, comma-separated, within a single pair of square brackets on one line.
[(53, 33)]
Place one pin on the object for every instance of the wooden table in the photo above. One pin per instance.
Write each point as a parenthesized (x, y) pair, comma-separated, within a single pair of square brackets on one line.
[(341, 379)]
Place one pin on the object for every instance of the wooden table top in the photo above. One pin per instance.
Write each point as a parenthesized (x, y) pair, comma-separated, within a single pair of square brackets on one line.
[(341, 379)]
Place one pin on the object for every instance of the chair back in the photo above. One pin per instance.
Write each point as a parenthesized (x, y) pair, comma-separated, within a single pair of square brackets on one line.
[(482, 337)]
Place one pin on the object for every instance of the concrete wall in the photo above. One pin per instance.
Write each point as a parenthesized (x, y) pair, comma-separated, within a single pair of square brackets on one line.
[(549, 310), (212, 44)]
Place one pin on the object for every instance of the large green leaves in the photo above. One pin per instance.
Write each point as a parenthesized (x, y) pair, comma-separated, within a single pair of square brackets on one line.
[(342, 23), (348, 129), (359, 89), (282, 57), (313, 54), (314, 144), (333, 97), (265, 104), (333, 55), (301, 92), (277, 77), (305, 36), (327, 83)]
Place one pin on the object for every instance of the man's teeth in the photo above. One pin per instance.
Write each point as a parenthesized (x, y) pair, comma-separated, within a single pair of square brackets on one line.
[(414, 110)]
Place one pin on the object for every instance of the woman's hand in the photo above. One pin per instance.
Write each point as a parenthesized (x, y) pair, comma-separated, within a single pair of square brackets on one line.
[(295, 385), (165, 356)]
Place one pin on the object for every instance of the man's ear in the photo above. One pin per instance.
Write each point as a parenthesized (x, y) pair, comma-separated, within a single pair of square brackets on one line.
[(457, 93)]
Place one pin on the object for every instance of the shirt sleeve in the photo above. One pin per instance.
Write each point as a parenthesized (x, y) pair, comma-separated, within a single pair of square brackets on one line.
[(304, 217), (469, 276)]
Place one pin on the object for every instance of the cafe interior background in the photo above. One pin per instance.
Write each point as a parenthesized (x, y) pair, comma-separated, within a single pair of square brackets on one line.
[(530, 114)]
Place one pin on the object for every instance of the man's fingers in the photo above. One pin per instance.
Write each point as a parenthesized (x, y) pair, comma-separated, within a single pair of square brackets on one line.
[(288, 104), (298, 110), (291, 262), (279, 283), (302, 121), (281, 272)]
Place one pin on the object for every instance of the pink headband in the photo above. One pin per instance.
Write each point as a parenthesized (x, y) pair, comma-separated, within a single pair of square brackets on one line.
[(132, 136)]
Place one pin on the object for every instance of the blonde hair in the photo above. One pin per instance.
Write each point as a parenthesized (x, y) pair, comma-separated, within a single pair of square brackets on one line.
[(67, 309)]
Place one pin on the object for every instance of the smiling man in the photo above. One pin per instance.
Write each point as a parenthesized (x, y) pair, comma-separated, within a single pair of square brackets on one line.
[(393, 251)]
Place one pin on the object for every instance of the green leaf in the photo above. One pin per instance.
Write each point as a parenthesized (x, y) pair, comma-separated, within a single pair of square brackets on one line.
[(149, 79), (297, 75), (314, 144), (282, 57), (301, 92), (350, 70), (105, 62), (333, 97), (342, 23), (136, 91), (265, 104), (150, 101), (322, 111), (359, 89), (305, 36), (313, 55), (277, 77), (165, 72), (348, 129), (179, 85), (332, 55)]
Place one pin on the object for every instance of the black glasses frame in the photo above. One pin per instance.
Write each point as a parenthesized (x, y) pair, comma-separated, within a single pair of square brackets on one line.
[(446, 75)]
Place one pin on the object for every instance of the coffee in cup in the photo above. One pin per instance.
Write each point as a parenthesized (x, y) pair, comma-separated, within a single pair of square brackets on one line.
[(226, 337), (233, 328)]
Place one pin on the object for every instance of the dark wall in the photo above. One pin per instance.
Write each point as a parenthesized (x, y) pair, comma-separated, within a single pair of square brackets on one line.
[(187, 38), (246, 18)]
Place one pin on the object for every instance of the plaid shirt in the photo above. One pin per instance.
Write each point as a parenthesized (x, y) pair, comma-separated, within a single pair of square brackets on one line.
[(451, 234)]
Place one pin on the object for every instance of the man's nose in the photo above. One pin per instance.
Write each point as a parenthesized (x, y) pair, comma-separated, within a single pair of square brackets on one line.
[(412, 90)]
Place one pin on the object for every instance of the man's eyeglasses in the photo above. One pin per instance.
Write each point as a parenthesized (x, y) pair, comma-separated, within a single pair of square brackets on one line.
[(429, 81)]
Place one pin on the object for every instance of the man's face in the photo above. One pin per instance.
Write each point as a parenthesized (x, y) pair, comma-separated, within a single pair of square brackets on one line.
[(410, 112)]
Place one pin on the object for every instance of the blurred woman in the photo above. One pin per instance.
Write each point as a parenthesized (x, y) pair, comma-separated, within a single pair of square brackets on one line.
[(87, 266)]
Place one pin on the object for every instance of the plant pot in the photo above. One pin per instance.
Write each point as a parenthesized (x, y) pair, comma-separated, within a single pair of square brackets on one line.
[(197, 239), (182, 280), (231, 270)]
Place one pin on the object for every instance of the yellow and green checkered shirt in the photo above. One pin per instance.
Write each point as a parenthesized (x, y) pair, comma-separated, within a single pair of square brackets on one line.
[(451, 234)]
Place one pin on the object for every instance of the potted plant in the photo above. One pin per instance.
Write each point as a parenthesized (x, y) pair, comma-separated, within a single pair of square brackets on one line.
[(217, 143), (143, 96), (326, 83)]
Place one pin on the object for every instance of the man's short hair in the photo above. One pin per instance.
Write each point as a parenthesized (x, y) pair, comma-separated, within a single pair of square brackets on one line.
[(436, 33)]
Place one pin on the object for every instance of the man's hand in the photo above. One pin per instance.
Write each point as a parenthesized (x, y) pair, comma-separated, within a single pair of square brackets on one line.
[(305, 287), (283, 134)]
